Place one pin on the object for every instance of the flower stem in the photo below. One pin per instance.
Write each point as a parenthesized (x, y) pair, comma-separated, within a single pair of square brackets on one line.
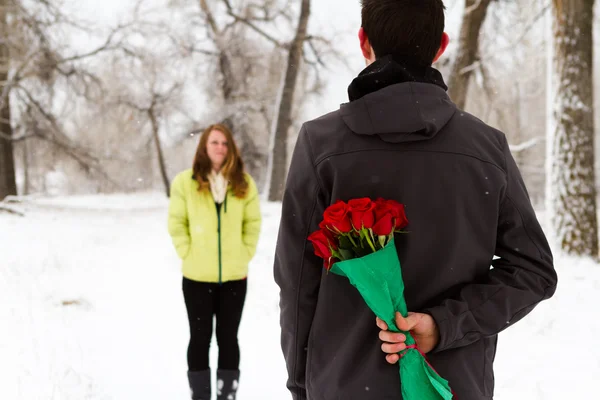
[(352, 240), (368, 237)]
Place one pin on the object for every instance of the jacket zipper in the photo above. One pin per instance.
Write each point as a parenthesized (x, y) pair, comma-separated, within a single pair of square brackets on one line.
[(219, 234)]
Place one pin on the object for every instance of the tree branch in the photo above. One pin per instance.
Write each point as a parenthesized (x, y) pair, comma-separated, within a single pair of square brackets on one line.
[(266, 9), (82, 156), (474, 7), (258, 30), (520, 38), (16, 138), (104, 47), (516, 148), (316, 53), (210, 18)]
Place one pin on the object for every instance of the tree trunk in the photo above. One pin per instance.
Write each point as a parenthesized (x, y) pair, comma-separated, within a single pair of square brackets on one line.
[(284, 116), (26, 178), (518, 136), (159, 152), (468, 49), (8, 183), (571, 177)]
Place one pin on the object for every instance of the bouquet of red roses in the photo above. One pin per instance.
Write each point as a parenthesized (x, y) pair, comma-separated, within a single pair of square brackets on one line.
[(356, 240)]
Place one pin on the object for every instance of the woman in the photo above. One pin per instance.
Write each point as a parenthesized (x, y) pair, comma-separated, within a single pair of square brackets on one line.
[(214, 221)]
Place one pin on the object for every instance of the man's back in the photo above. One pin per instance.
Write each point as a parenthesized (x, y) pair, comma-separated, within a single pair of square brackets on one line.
[(466, 203)]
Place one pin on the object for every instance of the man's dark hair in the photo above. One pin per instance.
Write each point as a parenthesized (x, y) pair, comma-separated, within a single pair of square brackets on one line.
[(411, 29)]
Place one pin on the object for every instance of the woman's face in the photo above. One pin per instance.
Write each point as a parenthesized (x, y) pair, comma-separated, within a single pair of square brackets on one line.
[(216, 148)]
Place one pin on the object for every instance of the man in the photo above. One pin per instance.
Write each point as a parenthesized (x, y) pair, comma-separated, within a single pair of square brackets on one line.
[(400, 137)]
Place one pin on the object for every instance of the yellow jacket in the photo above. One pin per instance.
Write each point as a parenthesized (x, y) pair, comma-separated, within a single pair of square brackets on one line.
[(214, 247)]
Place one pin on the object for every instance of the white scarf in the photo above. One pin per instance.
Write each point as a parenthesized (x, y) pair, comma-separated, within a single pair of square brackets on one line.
[(218, 186)]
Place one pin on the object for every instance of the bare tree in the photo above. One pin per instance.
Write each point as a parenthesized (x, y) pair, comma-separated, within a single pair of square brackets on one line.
[(279, 154), (250, 58), (466, 60), (509, 84), (33, 66), (154, 110), (236, 44), (236, 66), (571, 178)]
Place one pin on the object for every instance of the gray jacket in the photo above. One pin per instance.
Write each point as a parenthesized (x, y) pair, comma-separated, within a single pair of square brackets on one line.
[(466, 203)]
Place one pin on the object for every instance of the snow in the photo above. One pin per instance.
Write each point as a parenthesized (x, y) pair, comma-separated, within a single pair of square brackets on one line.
[(101, 202), (92, 309), (92, 305)]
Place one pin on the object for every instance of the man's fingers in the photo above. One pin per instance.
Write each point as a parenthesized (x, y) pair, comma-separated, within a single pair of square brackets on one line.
[(392, 358), (408, 323), (393, 348), (381, 324), (392, 337), (393, 342)]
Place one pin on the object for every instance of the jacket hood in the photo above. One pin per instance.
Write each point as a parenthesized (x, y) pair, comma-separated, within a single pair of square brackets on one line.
[(403, 112), (398, 101)]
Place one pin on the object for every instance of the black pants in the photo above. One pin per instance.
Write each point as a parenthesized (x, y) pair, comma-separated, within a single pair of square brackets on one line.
[(203, 301)]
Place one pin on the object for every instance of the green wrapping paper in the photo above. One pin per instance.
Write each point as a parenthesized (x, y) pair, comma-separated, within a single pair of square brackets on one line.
[(378, 278)]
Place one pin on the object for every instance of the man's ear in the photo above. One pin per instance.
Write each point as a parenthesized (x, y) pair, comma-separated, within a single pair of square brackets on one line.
[(365, 45), (443, 46)]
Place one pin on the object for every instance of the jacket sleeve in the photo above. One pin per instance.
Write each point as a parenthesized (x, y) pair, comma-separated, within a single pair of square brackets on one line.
[(178, 218), (522, 276), (297, 270), (252, 219)]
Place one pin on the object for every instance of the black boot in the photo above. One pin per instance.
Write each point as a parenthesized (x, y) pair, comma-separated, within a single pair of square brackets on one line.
[(200, 384), (227, 384)]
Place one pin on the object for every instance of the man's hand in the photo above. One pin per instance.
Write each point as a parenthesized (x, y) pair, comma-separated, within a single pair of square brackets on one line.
[(422, 327)]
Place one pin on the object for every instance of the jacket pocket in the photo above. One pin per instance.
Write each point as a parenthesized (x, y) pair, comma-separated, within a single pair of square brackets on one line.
[(246, 254), (186, 255)]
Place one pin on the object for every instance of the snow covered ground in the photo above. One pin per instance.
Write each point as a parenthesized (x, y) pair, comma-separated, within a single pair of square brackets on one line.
[(91, 308)]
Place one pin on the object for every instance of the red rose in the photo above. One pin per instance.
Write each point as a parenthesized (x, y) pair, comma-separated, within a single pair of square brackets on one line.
[(384, 225), (333, 239), (383, 207), (322, 244), (362, 213), (399, 215), (336, 217)]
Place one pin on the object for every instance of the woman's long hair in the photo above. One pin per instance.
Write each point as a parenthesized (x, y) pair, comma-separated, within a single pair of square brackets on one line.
[(233, 166)]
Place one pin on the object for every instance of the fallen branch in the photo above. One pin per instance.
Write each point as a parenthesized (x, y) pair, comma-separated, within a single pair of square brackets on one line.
[(11, 210), (515, 148)]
